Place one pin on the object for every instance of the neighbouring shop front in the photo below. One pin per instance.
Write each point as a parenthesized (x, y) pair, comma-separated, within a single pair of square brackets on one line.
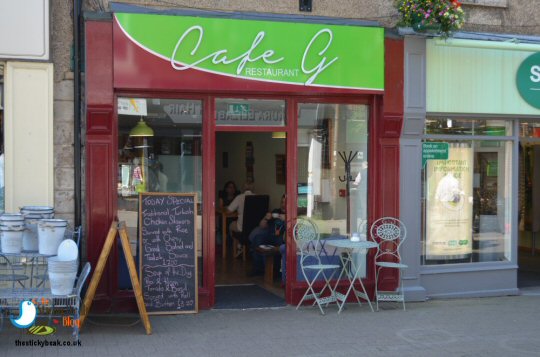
[(181, 102), (469, 154)]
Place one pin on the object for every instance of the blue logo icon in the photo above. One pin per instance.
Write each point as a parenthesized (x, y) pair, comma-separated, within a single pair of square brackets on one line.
[(27, 315)]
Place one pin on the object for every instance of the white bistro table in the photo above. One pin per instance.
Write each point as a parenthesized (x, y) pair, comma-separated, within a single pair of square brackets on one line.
[(351, 269)]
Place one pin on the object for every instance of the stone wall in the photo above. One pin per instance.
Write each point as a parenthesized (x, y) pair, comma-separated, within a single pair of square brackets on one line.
[(61, 43), (518, 16)]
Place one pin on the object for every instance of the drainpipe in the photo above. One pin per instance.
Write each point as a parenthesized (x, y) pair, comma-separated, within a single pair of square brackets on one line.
[(77, 107)]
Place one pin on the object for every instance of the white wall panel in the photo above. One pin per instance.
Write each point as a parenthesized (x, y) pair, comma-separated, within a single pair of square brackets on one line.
[(28, 134), (24, 29)]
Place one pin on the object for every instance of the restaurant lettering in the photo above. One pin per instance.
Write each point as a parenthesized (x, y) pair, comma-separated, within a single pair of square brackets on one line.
[(268, 56)]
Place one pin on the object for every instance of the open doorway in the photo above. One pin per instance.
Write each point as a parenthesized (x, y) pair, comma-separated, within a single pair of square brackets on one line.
[(249, 259), (529, 206)]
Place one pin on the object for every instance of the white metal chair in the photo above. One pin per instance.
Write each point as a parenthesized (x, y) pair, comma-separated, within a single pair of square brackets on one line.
[(310, 247), (389, 233)]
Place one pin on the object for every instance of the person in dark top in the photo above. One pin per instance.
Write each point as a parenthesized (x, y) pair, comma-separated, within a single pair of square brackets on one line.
[(228, 194), (271, 231)]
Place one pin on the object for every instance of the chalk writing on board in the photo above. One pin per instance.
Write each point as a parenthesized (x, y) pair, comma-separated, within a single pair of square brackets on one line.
[(168, 252)]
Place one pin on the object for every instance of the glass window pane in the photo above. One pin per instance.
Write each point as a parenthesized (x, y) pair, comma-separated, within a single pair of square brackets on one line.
[(333, 168), (252, 112), (467, 203), (452, 126), (529, 198), (159, 150), (529, 129)]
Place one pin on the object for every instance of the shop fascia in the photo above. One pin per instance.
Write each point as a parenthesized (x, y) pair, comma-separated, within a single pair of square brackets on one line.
[(280, 52)]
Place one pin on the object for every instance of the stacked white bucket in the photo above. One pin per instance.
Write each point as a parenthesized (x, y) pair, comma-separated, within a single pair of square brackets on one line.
[(32, 216), (11, 233), (35, 229)]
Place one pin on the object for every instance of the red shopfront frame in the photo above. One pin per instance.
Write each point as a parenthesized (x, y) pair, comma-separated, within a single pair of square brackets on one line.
[(104, 84)]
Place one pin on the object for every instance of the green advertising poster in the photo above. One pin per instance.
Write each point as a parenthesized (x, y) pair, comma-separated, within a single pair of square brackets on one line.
[(449, 201), (434, 151), (282, 52), (528, 80)]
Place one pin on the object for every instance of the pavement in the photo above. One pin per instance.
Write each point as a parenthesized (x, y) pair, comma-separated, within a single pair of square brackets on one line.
[(497, 326)]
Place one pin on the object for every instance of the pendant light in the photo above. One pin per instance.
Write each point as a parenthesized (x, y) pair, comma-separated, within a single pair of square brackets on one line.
[(141, 129)]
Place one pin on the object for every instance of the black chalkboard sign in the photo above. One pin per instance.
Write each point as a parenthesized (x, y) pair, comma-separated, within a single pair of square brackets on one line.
[(168, 252)]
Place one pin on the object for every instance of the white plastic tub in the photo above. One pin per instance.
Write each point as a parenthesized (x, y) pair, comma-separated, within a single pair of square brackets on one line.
[(62, 283), (62, 275)]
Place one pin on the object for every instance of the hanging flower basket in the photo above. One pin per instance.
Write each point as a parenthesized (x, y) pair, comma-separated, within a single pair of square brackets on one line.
[(440, 17), (433, 29)]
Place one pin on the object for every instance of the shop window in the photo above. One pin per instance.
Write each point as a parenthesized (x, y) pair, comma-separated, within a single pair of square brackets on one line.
[(250, 112), (529, 186), (333, 149), (467, 205), (159, 150), (452, 126)]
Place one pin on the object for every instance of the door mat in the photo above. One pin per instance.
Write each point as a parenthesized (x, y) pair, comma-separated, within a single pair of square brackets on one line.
[(245, 297), (527, 279)]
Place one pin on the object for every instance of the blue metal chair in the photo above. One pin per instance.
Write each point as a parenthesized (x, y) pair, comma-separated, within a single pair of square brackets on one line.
[(389, 233), (310, 247)]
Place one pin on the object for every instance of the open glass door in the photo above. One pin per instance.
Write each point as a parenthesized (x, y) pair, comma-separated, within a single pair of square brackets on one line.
[(250, 186)]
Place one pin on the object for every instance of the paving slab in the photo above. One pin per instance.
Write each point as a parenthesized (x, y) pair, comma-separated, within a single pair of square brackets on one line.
[(500, 326)]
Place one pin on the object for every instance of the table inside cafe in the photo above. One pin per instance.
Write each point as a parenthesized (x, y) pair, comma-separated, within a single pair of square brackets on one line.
[(350, 269)]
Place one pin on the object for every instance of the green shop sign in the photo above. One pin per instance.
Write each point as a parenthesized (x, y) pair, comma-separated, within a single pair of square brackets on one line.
[(283, 52), (434, 151), (528, 80)]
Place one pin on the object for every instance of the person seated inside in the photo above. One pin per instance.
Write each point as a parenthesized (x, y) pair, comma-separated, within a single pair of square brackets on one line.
[(237, 205), (226, 196), (271, 231)]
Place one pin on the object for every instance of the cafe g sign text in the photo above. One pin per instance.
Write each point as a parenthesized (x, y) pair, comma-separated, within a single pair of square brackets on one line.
[(304, 54), (528, 80)]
